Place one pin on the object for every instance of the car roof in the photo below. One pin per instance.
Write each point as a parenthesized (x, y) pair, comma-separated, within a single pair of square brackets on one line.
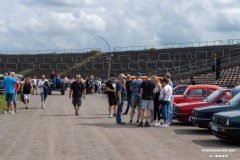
[(207, 86)]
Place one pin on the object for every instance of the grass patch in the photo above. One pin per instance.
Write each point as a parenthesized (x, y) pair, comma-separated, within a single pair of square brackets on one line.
[(2, 99)]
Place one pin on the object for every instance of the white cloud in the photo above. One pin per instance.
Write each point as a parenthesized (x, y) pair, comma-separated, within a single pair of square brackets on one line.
[(66, 24)]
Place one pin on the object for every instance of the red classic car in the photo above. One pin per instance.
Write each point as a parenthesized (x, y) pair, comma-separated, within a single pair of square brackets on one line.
[(180, 89), (195, 93), (183, 111)]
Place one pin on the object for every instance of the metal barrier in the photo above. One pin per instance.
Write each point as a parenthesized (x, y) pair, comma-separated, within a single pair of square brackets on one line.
[(170, 45)]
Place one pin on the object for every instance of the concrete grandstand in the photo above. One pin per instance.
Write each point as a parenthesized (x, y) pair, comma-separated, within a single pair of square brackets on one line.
[(180, 59)]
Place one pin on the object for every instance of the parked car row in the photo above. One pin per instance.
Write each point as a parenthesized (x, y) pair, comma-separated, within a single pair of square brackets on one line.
[(216, 111)]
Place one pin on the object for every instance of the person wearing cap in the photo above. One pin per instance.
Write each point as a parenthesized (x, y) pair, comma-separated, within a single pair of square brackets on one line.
[(121, 97), (111, 92), (135, 86)]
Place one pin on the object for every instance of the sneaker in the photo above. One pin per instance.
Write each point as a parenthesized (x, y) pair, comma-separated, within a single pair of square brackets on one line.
[(125, 113), (11, 112), (16, 111), (137, 122), (4, 111), (147, 124), (110, 116), (26, 107), (164, 126), (157, 124), (140, 124), (122, 123), (114, 115), (77, 114), (130, 122)]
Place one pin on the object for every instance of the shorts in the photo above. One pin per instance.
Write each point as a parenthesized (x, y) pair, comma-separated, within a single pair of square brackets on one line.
[(9, 97), (135, 102), (147, 104), (112, 100), (77, 101), (26, 96), (15, 98), (42, 96), (34, 86)]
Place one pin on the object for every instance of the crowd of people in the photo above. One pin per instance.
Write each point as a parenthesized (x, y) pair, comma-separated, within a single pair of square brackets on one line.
[(149, 98)]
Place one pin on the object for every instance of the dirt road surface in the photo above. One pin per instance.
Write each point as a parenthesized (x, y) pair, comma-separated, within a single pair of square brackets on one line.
[(55, 133)]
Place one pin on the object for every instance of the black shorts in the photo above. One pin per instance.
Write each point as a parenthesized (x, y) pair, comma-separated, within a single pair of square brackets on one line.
[(77, 101), (112, 100)]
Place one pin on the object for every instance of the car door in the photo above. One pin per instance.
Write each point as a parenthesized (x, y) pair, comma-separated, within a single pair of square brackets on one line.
[(196, 95)]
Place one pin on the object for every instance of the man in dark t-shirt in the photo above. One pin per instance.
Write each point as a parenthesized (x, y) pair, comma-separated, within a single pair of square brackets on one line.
[(78, 90), (111, 92), (129, 94), (147, 93)]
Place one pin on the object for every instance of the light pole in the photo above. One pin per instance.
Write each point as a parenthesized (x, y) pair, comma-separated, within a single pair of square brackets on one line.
[(108, 57)]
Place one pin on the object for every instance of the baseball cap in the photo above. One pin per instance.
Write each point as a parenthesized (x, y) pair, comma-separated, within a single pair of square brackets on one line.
[(121, 76), (138, 74)]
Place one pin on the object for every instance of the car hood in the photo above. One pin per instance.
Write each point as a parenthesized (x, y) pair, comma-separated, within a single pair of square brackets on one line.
[(215, 108), (229, 114)]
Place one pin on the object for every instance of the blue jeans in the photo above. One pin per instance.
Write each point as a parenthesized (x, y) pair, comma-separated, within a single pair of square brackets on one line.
[(129, 104), (170, 112), (165, 112), (119, 112), (15, 98)]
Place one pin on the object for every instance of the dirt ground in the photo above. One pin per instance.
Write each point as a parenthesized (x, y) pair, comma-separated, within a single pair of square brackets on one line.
[(55, 133)]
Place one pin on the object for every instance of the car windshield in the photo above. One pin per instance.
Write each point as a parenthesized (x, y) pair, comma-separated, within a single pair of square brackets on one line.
[(212, 97), (235, 100)]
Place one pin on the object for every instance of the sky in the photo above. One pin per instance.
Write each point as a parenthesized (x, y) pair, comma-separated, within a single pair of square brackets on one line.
[(76, 24)]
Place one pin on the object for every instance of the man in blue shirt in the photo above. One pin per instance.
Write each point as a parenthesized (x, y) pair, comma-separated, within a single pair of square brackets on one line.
[(136, 87), (121, 97), (9, 91)]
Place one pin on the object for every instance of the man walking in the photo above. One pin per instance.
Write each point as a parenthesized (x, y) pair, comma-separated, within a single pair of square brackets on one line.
[(42, 83), (9, 82), (121, 97), (129, 94), (135, 86), (111, 92), (77, 91), (147, 93)]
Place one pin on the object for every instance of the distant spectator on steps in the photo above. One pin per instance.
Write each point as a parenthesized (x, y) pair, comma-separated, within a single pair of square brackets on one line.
[(192, 82)]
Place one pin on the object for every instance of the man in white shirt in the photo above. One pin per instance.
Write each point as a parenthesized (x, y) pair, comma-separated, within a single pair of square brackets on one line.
[(41, 85)]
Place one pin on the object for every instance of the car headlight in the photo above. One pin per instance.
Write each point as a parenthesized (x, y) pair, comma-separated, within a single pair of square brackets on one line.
[(227, 122)]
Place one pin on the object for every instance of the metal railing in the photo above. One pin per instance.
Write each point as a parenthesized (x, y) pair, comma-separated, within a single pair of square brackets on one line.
[(86, 50), (170, 45)]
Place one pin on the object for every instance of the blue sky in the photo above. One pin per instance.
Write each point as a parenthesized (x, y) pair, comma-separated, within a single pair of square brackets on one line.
[(75, 24)]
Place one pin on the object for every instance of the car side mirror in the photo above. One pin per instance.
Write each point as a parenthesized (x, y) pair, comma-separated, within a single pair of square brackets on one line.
[(219, 101)]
